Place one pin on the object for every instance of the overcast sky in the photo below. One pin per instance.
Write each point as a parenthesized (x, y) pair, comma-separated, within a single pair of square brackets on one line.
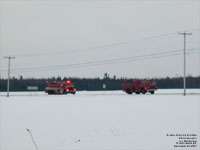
[(90, 37)]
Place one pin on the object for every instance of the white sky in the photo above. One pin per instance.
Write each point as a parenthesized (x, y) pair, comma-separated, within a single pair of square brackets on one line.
[(55, 33)]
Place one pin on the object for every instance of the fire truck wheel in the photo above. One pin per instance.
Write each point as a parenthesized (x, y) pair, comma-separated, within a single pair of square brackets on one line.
[(128, 91), (137, 92), (152, 92), (143, 91), (50, 93)]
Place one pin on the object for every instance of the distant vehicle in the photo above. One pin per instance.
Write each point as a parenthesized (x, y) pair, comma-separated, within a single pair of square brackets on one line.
[(60, 87), (140, 86)]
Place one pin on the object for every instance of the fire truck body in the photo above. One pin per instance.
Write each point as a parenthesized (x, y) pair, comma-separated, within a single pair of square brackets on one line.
[(60, 87), (140, 86), (54, 88)]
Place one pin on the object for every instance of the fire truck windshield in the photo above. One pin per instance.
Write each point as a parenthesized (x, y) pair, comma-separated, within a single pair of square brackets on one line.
[(150, 82), (68, 84), (53, 85), (153, 83)]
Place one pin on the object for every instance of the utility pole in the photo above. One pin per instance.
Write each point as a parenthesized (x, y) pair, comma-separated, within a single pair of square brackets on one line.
[(8, 83), (184, 59)]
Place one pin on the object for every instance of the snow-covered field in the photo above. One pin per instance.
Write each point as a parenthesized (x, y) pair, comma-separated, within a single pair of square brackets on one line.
[(101, 120)]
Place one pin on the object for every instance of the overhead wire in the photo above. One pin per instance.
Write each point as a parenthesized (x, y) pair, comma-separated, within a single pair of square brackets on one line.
[(103, 62), (89, 49), (157, 37), (162, 36), (111, 61)]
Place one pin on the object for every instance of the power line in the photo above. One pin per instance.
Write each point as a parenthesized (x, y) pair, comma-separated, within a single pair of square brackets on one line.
[(95, 62), (157, 37), (92, 48), (103, 62)]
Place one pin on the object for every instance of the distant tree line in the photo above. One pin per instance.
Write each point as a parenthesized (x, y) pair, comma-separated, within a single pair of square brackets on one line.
[(93, 84)]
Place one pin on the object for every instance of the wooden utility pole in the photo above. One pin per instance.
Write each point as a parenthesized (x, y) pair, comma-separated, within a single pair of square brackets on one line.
[(184, 59), (8, 83)]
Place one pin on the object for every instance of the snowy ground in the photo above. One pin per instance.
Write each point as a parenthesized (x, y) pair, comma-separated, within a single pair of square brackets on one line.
[(101, 120)]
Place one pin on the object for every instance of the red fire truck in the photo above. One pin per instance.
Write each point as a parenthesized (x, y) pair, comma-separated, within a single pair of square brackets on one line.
[(140, 86), (64, 87)]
